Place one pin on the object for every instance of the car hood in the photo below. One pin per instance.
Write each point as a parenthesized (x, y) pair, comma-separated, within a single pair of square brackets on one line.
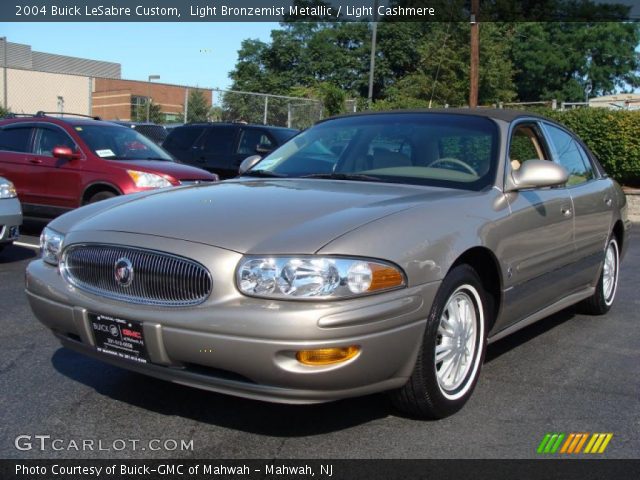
[(179, 171), (281, 216)]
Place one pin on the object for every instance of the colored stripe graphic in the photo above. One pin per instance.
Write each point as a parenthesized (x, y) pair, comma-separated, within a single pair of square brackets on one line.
[(598, 443), (573, 443), (550, 443)]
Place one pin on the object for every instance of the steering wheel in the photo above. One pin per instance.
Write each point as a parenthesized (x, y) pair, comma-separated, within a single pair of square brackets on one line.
[(455, 161)]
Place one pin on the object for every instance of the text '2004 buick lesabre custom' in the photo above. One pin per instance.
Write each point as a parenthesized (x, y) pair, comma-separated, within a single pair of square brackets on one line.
[(374, 252)]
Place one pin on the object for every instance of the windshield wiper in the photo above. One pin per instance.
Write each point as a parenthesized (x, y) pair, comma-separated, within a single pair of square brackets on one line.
[(359, 177), (262, 173)]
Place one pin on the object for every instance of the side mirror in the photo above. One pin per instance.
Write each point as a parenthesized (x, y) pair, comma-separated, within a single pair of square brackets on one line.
[(65, 153), (248, 163), (538, 174), (264, 148)]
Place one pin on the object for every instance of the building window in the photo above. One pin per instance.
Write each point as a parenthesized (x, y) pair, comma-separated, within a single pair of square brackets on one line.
[(139, 108)]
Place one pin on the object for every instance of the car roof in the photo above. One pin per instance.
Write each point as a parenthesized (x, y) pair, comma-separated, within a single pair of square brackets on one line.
[(234, 124), (504, 114), (72, 121), (136, 124)]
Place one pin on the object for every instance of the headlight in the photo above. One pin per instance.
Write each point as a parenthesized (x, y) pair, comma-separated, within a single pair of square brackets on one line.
[(51, 245), (315, 277), (7, 190), (148, 180)]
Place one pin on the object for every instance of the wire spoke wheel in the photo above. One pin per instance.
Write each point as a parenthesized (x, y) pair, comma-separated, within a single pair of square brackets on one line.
[(610, 273), (457, 339)]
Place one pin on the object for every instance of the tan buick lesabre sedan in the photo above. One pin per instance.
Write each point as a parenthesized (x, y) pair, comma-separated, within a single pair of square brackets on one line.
[(372, 252)]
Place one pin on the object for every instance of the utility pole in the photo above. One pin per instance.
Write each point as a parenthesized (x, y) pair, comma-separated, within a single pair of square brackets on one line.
[(372, 61), (475, 54), (4, 73)]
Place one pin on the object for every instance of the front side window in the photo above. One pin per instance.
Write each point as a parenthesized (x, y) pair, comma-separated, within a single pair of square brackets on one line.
[(447, 150), (120, 143), (250, 139), (568, 155), (15, 139), (48, 139)]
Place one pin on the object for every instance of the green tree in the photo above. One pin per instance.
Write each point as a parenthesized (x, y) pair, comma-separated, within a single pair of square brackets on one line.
[(139, 113), (442, 73), (558, 60), (198, 107)]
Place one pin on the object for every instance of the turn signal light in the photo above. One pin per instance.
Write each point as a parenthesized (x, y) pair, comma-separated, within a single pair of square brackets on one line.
[(327, 356), (385, 277)]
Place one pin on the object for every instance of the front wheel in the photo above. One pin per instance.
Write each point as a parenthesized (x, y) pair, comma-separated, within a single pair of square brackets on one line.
[(452, 351), (104, 195), (602, 299)]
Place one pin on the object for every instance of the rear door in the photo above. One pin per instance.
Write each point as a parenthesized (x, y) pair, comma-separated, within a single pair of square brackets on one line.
[(592, 198), (537, 242), (217, 150), (15, 164), (62, 178), (183, 143)]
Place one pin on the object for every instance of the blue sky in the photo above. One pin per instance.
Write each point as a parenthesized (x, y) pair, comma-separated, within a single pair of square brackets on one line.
[(199, 54)]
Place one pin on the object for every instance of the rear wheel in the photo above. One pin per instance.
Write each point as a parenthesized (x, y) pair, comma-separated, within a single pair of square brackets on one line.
[(104, 195), (602, 299), (452, 351)]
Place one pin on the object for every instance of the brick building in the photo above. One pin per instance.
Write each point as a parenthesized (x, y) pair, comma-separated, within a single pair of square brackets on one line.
[(117, 99)]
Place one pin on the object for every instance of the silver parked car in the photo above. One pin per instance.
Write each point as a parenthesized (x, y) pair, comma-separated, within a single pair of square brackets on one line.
[(10, 213), (372, 252)]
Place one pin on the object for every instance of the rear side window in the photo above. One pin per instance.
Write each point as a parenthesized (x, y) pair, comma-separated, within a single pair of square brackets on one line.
[(15, 139), (183, 138), (568, 154), (220, 140)]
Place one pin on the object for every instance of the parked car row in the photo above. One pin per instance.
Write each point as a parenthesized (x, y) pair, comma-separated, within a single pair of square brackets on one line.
[(60, 163)]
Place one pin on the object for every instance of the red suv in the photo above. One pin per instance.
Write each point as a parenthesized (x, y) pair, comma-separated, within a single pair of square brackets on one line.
[(60, 163)]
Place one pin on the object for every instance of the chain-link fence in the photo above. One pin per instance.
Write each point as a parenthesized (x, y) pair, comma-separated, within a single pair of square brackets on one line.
[(30, 91), (280, 110)]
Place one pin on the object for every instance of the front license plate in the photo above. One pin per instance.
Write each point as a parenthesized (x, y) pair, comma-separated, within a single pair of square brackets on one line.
[(121, 338)]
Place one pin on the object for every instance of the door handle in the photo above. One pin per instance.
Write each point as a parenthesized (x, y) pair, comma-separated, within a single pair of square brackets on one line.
[(35, 160), (607, 201), (566, 211)]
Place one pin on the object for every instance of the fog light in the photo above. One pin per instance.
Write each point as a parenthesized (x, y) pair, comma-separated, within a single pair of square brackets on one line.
[(327, 356)]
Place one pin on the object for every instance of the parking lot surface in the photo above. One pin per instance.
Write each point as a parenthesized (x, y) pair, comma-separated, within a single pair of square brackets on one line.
[(567, 373)]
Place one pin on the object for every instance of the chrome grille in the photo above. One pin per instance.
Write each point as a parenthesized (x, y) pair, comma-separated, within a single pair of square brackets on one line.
[(157, 279)]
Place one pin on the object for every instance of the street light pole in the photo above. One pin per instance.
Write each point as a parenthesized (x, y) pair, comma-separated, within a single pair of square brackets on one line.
[(151, 77)]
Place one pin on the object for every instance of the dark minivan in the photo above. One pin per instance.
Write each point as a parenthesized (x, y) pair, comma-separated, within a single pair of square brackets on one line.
[(221, 147)]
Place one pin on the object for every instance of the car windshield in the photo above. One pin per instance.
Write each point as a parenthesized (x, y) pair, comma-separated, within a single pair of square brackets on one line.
[(450, 150), (120, 143)]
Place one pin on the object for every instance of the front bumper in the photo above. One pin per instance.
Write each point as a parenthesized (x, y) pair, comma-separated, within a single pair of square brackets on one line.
[(10, 219), (245, 346)]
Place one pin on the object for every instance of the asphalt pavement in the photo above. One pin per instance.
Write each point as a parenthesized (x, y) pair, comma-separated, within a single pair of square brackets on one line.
[(566, 373)]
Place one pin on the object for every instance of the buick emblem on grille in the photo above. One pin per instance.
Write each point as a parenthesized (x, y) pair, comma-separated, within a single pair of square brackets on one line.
[(123, 272)]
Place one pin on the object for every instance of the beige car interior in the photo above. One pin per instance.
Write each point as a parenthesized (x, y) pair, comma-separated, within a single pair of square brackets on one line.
[(528, 132)]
